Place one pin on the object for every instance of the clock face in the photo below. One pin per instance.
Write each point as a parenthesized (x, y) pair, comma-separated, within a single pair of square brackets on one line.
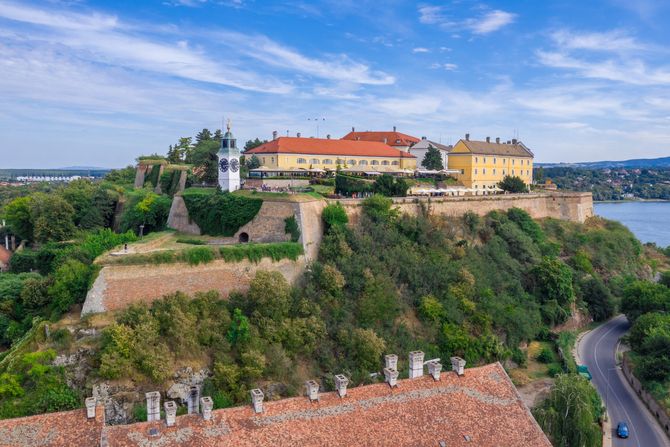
[(234, 165), (223, 165)]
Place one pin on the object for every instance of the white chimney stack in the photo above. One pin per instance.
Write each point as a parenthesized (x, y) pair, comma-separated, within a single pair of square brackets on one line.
[(206, 403), (312, 390), (274, 134), (391, 377), (170, 413), (193, 400), (153, 406), (257, 400), (90, 407), (391, 361), (434, 369), (415, 364), (458, 365), (341, 383)]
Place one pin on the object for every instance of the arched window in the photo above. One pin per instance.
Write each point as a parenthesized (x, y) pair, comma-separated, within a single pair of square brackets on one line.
[(395, 163), (484, 171), (302, 161), (374, 162), (352, 162), (475, 171), (314, 161), (327, 161), (340, 161), (385, 163), (363, 162)]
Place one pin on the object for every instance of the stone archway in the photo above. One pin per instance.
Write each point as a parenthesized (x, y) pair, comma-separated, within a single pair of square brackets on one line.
[(243, 238)]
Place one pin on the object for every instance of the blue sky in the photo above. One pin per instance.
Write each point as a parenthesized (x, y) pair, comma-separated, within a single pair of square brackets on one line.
[(94, 82)]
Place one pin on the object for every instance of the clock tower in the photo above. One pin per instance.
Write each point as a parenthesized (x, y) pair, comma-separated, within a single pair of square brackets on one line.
[(229, 162)]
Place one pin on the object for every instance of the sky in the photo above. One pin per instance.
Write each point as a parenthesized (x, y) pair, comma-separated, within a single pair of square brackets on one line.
[(97, 83)]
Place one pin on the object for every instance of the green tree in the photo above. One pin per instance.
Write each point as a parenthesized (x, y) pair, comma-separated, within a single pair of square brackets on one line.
[(367, 349), (253, 162), (390, 186), (553, 281), (513, 184), (251, 144), (179, 152), (238, 334), (205, 160), (570, 414), (598, 298), (433, 159), (19, 218), (70, 285), (53, 218), (203, 135), (334, 215), (269, 296)]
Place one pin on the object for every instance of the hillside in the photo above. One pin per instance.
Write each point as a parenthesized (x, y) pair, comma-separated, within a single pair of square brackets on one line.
[(648, 163), (480, 288)]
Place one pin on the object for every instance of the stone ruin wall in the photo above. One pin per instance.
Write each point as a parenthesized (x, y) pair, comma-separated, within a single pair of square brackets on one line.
[(118, 286)]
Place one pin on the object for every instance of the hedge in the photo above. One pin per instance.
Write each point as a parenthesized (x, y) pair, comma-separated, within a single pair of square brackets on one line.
[(220, 213)]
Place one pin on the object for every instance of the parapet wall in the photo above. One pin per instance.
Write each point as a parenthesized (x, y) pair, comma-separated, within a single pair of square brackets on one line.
[(575, 206), (119, 286)]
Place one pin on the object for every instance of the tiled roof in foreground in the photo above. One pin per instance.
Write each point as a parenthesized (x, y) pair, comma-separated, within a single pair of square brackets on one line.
[(480, 408)]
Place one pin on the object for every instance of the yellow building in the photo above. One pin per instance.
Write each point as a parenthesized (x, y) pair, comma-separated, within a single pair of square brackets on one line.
[(483, 164), (291, 153)]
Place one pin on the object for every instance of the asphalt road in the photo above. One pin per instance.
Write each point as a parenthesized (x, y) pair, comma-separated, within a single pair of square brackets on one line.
[(597, 350)]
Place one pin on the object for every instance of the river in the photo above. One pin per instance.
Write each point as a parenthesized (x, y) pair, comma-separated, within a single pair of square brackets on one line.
[(649, 221)]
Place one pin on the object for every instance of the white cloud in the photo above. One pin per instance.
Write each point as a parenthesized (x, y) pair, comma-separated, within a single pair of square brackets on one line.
[(615, 40), (490, 22), (420, 50), (486, 23), (450, 67)]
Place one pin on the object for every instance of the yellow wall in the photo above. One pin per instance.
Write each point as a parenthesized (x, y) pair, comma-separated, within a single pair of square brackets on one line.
[(485, 171), (293, 161)]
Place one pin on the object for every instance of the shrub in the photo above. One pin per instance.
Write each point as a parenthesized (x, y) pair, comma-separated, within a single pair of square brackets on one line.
[(143, 207), (390, 186), (71, 281), (291, 227), (198, 255), (347, 185), (546, 355), (220, 213), (334, 215), (191, 241), (513, 184)]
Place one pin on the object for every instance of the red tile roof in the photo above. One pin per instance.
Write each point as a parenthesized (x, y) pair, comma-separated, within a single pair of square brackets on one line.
[(321, 146), (482, 405), (67, 428), (391, 138)]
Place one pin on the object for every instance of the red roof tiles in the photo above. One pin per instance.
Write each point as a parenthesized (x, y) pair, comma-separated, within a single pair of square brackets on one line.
[(391, 138), (481, 408), (320, 146)]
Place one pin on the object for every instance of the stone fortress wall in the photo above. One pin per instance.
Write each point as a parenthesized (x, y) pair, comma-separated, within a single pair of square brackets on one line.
[(118, 286)]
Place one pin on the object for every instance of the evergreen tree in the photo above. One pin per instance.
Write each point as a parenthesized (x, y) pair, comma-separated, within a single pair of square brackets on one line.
[(218, 135), (433, 159), (513, 184), (253, 162), (203, 135), (253, 143)]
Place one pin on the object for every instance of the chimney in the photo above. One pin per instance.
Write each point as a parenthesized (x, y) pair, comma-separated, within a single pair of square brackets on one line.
[(385, 140), (341, 383), (488, 139), (328, 137), (90, 407), (424, 138), (298, 135), (353, 129), (391, 377), (467, 137), (257, 400), (312, 390), (153, 406), (497, 140), (513, 140), (391, 361), (434, 369), (393, 128), (458, 365), (206, 403), (415, 364), (193, 400), (274, 135), (170, 412)]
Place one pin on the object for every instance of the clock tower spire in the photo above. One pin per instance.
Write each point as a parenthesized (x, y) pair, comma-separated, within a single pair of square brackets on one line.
[(229, 162)]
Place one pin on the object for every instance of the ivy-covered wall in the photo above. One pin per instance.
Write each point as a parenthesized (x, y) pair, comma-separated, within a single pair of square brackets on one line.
[(220, 213)]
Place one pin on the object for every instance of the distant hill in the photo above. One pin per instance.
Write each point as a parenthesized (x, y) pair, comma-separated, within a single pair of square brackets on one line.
[(9, 174), (83, 168), (663, 162)]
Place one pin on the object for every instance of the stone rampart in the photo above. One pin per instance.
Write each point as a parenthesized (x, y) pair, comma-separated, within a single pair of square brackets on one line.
[(118, 286), (575, 206)]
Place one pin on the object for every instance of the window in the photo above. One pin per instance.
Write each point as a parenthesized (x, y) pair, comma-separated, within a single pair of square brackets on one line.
[(395, 163), (314, 161), (475, 171), (527, 162), (484, 171), (485, 160), (476, 159), (374, 162), (272, 160), (503, 172), (363, 162), (513, 161), (340, 161), (527, 172), (385, 163), (327, 161), (263, 160), (352, 162), (301, 161), (513, 172), (462, 171), (495, 160), (494, 171), (503, 161)]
